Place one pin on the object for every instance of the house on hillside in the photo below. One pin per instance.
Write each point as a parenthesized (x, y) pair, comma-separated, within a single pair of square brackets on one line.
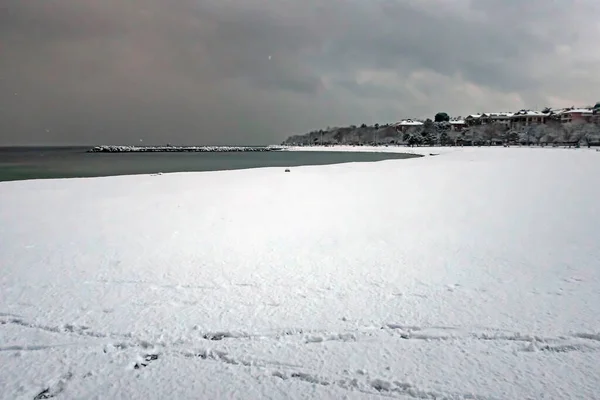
[(576, 115), (523, 118), (458, 124), (473, 119), (497, 118), (489, 118), (406, 124)]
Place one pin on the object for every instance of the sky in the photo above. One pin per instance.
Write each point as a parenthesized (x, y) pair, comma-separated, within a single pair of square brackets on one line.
[(221, 72)]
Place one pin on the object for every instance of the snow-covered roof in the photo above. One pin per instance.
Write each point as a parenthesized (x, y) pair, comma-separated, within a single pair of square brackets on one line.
[(530, 113), (457, 121), (499, 114), (576, 110), (408, 122), (491, 114)]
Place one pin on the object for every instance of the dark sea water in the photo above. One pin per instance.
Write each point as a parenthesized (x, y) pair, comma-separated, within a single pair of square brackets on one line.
[(18, 163)]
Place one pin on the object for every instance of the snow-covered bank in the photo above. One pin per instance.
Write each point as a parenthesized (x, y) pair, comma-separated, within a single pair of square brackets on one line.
[(472, 274)]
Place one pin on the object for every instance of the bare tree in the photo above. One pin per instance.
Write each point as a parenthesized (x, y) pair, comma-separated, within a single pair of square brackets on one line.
[(591, 134), (474, 135), (537, 132), (573, 132), (493, 132)]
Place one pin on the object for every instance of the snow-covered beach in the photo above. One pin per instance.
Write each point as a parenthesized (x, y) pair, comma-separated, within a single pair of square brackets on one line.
[(472, 274)]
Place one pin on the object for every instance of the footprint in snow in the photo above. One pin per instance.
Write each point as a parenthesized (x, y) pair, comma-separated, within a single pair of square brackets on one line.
[(148, 358)]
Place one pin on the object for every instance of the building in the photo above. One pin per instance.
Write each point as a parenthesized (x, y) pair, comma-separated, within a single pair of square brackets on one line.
[(516, 121), (576, 115), (489, 118), (458, 124), (473, 119), (406, 124), (524, 118), (497, 118)]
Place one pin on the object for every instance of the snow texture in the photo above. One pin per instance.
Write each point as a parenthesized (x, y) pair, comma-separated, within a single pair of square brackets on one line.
[(473, 274)]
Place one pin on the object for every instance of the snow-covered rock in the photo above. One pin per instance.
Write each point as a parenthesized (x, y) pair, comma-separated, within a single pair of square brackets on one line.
[(155, 149)]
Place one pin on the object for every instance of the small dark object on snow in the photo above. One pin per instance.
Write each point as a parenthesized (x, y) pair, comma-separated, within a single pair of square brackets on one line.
[(432, 154), (147, 359), (287, 170), (214, 336), (43, 395)]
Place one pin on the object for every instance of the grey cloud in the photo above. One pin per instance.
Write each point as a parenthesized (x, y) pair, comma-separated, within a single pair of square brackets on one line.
[(400, 37), (199, 71)]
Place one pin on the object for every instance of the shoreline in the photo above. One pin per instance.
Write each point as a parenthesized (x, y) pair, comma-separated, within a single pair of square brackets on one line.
[(66, 165)]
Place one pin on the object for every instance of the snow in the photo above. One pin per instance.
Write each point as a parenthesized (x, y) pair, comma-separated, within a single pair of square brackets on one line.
[(472, 274), (530, 113), (408, 122), (577, 111)]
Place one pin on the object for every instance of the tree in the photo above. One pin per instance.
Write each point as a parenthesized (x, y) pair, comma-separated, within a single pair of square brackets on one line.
[(475, 135), (537, 132), (414, 140), (566, 134), (444, 138), (428, 132), (442, 129), (441, 116), (412, 136), (553, 131), (581, 131), (494, 132), (591, 134), (513, 137)]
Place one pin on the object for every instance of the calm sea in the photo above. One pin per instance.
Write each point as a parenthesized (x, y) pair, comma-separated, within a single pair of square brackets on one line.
[(18, 163)]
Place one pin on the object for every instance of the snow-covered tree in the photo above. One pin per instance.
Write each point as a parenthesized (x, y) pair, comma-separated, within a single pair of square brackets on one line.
[(573, 132), (591, 134), (428, 133), (493, 132), (442, 132), (412, 136)]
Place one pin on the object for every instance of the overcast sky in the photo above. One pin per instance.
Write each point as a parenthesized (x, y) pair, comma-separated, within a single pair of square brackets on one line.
[(256, 71)]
